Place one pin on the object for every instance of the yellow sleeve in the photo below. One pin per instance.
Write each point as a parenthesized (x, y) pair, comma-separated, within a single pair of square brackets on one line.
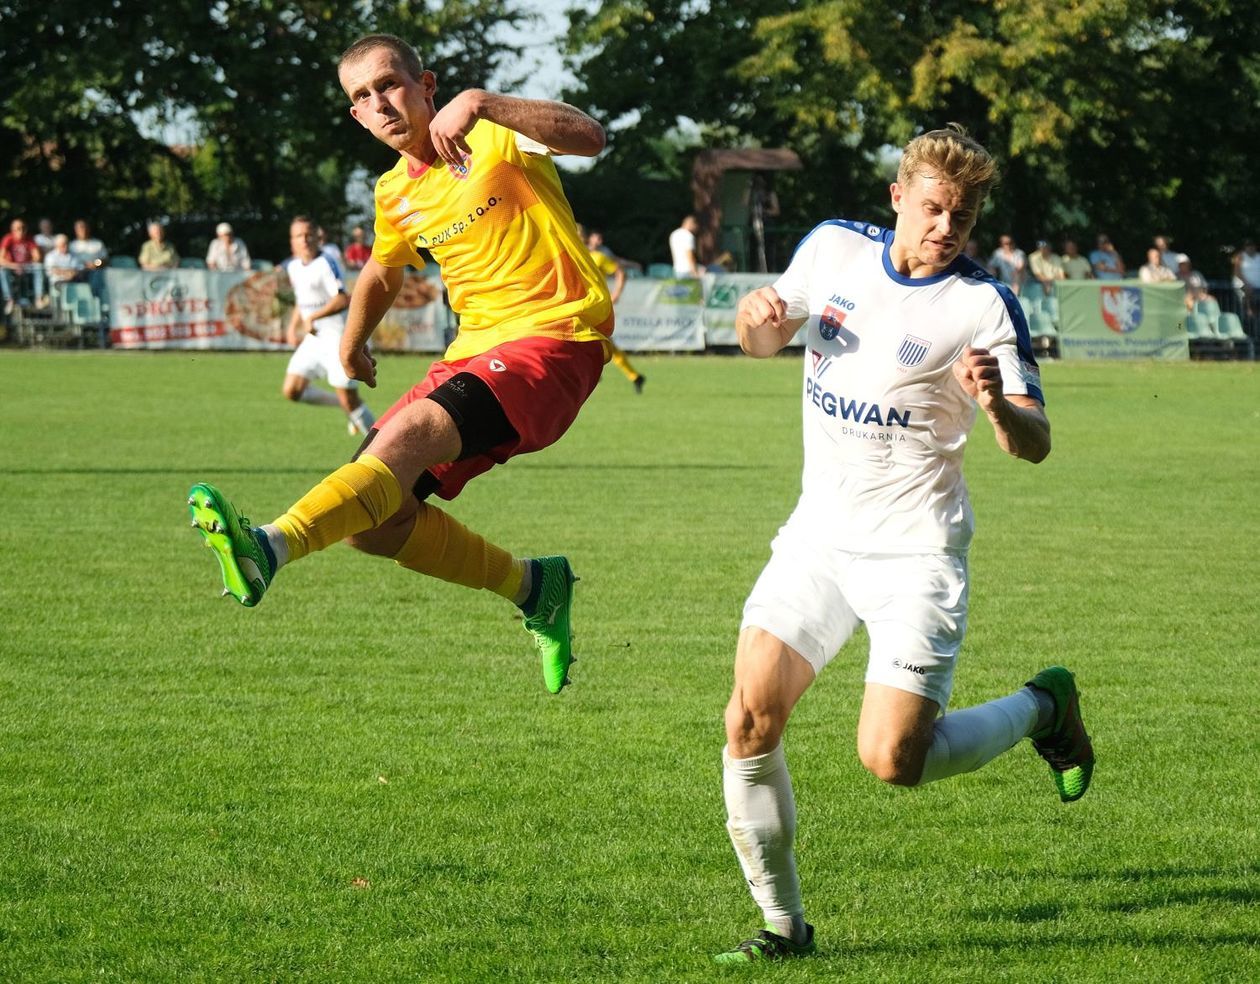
[(604, 264), (391, 248)]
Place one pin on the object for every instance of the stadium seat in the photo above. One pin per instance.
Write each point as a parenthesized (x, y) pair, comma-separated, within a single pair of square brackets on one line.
[(1041, 326), (661, 271), (1030, 307), (1229, 325), (1209, 307), (124, 263), (262, 265), (1198, 326), (192, 263)]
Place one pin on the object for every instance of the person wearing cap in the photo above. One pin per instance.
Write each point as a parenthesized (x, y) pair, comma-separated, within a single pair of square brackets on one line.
[(1196, 284), (227, 252), (1046, 266)]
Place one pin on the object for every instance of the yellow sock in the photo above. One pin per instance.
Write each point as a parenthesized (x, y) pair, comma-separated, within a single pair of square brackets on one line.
[(356, 497), (443, 547), (621, 362)]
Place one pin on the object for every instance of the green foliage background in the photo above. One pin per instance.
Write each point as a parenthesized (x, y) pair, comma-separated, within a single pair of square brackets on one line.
[(1134, 117)]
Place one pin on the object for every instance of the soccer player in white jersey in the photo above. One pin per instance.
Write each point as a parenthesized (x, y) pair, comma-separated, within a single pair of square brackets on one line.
[(905, 338), (319, 314)]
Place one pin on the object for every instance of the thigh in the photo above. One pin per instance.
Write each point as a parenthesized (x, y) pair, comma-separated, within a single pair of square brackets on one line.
[(799, 598), (307, 359), (915, 610)]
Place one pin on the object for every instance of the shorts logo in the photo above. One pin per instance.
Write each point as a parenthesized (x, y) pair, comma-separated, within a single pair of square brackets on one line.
[(829, 322), (912, 351), (909, 666), (497, 366), (1121, 308)]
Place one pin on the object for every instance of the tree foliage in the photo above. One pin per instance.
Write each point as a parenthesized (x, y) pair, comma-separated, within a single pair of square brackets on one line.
[(1131, 116), (95, 88)]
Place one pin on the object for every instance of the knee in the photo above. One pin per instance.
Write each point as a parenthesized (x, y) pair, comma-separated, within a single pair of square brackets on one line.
[(754, 724), (390, 537), (896, 760), (293, 393)]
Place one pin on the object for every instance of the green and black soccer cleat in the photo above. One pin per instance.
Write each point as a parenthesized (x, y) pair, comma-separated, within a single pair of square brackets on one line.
[(244, 561), (1064, 744), (768, 946), (548, 618)]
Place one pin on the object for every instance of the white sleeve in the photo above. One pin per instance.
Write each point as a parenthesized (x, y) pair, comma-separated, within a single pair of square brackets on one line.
[(793, 286), (1006, 336), (528, 145)]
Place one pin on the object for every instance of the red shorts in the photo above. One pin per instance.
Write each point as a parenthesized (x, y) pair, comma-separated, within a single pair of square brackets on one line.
[(541, 384)]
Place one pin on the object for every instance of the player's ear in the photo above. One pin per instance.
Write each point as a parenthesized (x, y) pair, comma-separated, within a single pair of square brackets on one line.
[(354, 113), (894, 192)]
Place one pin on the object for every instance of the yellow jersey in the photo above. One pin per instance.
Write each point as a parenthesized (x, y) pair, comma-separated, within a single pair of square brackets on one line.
[(505, 238), (603, 263)]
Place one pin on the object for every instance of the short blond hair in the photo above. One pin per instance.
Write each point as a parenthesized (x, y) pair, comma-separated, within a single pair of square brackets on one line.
[(949, 155)]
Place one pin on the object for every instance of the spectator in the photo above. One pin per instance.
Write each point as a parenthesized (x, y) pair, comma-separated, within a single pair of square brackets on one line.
[(157, 253), (19, 254), (1075, 266), (60, 264), (682, 248), (1167, 255), (1247, 273), (1046, 266), (1009, 264), (1153, 270), (91, 252), (358, 252), (330, 250), (1106, 262), (1196, 285), (724, 263), (226, 251), (595, 243), (46, 238)]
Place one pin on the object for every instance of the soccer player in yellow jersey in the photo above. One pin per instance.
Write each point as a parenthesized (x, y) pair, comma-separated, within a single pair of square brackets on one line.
[(476, 188), (609, 267)]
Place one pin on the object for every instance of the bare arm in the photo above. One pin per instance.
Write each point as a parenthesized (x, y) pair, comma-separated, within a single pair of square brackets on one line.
[(560, 127), (1020, 425), (762, 323), (374, 293), (619, 283)]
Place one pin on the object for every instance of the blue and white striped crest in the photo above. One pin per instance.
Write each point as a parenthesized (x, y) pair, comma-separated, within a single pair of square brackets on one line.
[(912, 351)]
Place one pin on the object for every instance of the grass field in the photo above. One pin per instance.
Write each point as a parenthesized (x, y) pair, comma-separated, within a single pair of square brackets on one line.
[(363, 780)]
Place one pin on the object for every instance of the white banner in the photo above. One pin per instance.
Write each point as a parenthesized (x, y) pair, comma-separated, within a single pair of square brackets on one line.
[(206, 309), (660, 316)]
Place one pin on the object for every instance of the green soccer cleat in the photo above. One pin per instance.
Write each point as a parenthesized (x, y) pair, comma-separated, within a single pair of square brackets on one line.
[(1064, 744), (550, 621), (767, 945), (245, 563)]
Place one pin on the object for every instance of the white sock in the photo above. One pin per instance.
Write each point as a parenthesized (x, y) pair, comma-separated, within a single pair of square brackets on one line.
[(319, 397), (761, 819), (362, 418), (279, 545), (967, 739)]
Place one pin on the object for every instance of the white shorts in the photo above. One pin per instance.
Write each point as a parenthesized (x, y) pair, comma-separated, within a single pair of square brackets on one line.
[(319, 357), (813, 598)]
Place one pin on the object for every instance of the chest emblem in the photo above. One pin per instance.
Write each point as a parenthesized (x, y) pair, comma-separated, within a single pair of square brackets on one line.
[(830, 322), (912, 351)]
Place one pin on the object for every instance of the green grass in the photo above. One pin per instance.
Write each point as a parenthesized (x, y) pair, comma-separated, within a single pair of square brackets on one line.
[(364, 780)]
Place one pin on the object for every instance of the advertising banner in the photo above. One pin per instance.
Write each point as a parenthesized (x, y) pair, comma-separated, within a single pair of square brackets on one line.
[(207, 309), (1122, 319), (660, 316)]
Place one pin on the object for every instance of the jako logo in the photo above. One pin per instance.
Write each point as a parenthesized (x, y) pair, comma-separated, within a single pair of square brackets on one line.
[(909, 666), (497, 366)]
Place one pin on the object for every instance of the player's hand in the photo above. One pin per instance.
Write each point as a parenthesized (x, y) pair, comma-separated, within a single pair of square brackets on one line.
[(450, 127), (762, 306), (359, 364), (308, 324), (978, 374)]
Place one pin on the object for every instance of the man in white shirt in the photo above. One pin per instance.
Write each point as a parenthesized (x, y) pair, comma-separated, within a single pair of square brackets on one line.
[(320, 303), (905, 338), (60, 264), (682, 248), (227, 252)]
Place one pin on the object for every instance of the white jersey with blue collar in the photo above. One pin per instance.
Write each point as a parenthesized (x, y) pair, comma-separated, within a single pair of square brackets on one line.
[(314, 285), (885, 422)]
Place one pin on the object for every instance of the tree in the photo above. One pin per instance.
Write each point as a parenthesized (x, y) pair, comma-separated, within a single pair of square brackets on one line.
[(251, 85), (1130, 115)]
